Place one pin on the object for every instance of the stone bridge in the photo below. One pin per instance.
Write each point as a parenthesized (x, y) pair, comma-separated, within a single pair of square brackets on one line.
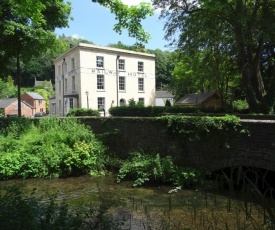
[(256, 149)]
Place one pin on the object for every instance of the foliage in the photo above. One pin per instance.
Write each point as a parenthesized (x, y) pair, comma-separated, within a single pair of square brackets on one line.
[(129, 17), (143, 168), (231, 34), (167, 103), (7, 88), (53, 147), (165, 63), (154, 111), (205, 71), (194, 127), (78, 112)]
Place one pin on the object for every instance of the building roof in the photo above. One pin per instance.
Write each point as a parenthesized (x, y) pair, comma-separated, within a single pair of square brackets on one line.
[(6, 102), (27, 104), (45, 83), (195, 98), (35, 96), (105, 49), (163, 94)]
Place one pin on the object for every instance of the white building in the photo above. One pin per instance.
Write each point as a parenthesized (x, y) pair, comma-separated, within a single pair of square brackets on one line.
[(96, 77)]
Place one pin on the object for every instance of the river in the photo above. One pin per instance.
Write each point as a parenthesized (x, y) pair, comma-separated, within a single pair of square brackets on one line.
[(154, 207)]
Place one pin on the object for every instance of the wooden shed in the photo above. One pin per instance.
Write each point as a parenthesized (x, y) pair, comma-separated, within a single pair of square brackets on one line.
[(200, 99)]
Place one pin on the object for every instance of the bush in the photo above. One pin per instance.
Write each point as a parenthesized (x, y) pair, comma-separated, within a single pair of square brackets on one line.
[(143, 168), (154, 111), (83, 112), (54, 147)]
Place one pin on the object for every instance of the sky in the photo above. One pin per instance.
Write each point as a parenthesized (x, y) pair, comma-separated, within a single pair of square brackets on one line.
[(95, 23)]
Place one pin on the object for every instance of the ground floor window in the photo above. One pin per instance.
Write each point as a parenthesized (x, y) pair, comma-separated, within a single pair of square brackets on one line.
[(141, 100), (71, 103), (122, 102), (53, 108), (101, 103)]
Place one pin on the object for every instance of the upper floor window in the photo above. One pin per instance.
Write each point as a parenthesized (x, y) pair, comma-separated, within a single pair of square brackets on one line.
[(140, 84), (121, 64), (140, 66), (59, 87), (65, 67), (121, 83), (73, 83), (72, 63), (100, 62), (39, 101), (66, 85), (100, 81), (59, 71)]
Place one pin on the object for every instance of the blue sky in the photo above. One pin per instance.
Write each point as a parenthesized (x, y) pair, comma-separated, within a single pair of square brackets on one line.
[(95, 23)]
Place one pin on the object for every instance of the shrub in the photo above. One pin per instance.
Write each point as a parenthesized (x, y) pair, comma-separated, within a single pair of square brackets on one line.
[(54, 147), (82, 112), (154, 111), (143, 168)]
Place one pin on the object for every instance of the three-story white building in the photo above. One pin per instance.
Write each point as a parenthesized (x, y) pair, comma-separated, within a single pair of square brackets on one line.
[(96, 77)]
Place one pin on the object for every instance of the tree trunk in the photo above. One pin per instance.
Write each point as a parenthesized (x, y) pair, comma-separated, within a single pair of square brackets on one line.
[(19, 85)]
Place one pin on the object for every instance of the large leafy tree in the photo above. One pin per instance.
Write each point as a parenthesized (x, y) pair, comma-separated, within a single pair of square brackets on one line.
[(246, 29), (165, 63), (129, 18), (27, 29)]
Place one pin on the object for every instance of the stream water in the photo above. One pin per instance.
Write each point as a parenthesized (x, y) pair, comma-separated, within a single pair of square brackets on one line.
[(154, 207)]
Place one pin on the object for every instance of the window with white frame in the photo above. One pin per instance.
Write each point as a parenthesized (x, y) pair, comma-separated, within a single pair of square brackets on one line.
[(100, 103), (66, 85), (100, 62), (71, 103), (121, 64), (140, 84), (100, 82), (73, 83), (72, 63), (121, 83), (59, 71), (140, 66)]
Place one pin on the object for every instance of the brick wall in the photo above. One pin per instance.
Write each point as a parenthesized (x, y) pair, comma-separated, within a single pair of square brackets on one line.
[(212, 152)]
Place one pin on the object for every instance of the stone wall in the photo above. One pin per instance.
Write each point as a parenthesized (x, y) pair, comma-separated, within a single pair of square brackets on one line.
[(212, 152)]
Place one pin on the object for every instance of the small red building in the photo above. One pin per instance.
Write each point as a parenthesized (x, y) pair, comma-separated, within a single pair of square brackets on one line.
[(35, 100), (9, 107)]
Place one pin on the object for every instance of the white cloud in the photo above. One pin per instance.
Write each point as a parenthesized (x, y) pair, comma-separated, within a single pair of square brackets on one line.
[(134, 2), (77, 36)]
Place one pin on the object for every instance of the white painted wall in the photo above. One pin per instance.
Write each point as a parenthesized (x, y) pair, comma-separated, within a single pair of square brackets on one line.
[(85, 74)]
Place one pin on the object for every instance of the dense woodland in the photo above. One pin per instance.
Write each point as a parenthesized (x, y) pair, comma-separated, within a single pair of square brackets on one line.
[(227, 47)]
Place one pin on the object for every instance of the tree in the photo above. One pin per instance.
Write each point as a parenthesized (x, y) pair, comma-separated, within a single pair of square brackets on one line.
[(27, 29), (246, 28), (165, 63), (7, 88), (129, 18)]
